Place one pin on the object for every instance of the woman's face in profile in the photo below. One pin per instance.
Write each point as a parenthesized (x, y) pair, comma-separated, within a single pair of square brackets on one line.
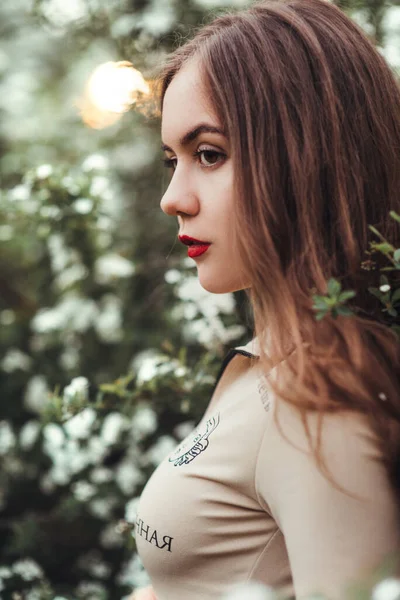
[(200, 193)]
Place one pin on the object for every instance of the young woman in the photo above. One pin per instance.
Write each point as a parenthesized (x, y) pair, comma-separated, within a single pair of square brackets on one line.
[(281, 125)]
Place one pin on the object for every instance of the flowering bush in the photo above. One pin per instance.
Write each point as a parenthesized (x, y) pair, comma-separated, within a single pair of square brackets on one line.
[(108, 349)]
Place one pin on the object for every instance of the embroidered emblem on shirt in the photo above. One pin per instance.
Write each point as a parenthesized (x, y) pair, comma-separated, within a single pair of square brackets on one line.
[(191, 448)]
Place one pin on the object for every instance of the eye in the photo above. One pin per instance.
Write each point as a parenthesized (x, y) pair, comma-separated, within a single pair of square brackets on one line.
[(210, 156), (169, 163)]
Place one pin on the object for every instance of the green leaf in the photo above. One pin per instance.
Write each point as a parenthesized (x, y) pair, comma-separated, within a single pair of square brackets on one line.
[(375, 292), (320, 302), (395, 296), (385, 248), (372, 228), (334, 287), (396, 255), (383, 280), (392, 312), (321, 314), (346, 295), (395, 216), (344, 311)]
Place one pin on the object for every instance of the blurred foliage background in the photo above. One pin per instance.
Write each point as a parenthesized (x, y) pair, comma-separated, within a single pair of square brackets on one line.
[(109, 348)]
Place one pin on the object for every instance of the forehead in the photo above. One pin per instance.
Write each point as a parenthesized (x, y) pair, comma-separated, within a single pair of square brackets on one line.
[(185, 103)]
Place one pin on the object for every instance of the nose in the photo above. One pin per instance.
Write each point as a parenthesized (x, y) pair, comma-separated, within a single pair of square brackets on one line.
[(180, 197)]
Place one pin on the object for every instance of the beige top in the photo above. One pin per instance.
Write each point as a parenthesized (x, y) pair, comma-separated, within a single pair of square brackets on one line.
[(235, 501)]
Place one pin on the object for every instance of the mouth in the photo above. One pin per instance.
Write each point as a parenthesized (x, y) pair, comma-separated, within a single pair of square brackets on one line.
[(196, 247), (189, 241)]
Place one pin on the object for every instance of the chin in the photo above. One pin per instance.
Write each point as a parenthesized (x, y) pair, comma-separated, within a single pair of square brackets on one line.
[(221, 284)]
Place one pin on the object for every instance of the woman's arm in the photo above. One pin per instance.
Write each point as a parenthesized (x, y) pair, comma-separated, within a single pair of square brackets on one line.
[(331, 538)]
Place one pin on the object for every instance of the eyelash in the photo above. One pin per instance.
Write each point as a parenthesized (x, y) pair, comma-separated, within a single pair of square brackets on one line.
[(169, 162)]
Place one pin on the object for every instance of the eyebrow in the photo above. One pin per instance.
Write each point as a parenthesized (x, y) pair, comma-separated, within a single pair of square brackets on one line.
[(191, 135)]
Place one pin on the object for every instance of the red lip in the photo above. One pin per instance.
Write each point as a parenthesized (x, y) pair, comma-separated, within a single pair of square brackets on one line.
[(189, 241), (196, 247)]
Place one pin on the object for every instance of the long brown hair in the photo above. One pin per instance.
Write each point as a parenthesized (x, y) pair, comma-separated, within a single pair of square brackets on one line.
[(312, 112)]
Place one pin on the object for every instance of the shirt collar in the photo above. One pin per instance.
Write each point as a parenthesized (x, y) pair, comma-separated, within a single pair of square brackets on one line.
[(251, 347)]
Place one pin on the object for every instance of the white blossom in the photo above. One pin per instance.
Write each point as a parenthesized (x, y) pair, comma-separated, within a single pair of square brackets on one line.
[(99, 569), (163, 446), (70, 276), (6, 233), (114, 425), (79, 426), (91, 590), (14, 360), (83, 490), (7, 438), (67, 456), (105, 224), (36, 394), (14, 466), (69, 358), (131, 510), (78, 386), (54, 437), (68, 460), (101, 475), (102, 507), (190, 290), (391, 24), (123, 25), (361, 17), (70, 185), (95, 162), (128, 477), (78, 458), (83, 206), (51, 212), (29, 434), (7, 317), (183, 429), (158, 18), (20, 193), (144, 422), (109, 322), (34, 593), (60, 255), (388, 589), (110, 538), (28, 569), (73, 313), (44, 171), (210, 4), (100, 185), (133, 573), (149, 363), (112, 266), (184, 310), (61, 13), (47, 484), (5, 572), (172, 276), (96, 449)]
